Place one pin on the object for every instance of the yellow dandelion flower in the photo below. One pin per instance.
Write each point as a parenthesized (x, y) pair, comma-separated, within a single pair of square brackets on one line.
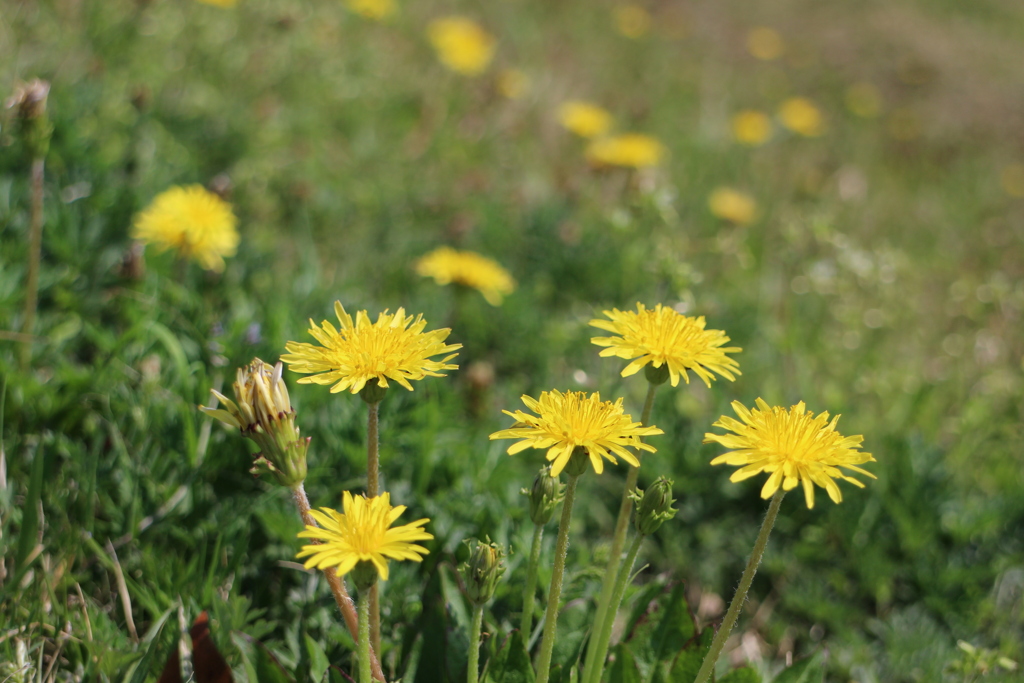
[(732, 205), (395, 347), (513, 83), (584, 118), (631, 150), (565, 422), (765, 43), (791, 445), (469, 269), (372, 9), (802, 116), (461, 44), (663, 337), (864, 100), (632, 21), (197, 223), (362, 533), (1012, 179), (752, 127), (220, 3)]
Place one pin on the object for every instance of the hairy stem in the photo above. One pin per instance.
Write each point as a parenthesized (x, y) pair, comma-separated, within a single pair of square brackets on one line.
[(618, 543), (364, 637), (605, 635), (547, 642), (740, 598), (473, 668), (341, 596), (531, 583), (35, 246), (372, 491)]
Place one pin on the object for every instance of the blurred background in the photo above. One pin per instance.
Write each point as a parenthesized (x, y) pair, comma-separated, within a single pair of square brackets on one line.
[(839, 186)]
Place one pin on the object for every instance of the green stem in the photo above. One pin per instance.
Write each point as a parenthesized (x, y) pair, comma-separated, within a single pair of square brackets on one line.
[(531, 583), (618, 543), (547, 642), (601, 649), (741, 591), (364, 637), (35, 245), (372, 489), (473, 670)]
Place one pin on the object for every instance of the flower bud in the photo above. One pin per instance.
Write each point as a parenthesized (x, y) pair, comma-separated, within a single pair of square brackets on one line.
[(545, 495), (654, 506), (482, 570), (656, 375), (29, 103), (263, 412)]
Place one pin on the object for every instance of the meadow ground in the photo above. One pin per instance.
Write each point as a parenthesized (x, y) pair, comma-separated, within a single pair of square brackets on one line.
[(858, 231)]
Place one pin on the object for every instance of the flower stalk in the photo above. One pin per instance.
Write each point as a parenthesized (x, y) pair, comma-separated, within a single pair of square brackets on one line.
[(738, 600), (618, 543), (600, 646), (547, 642), (530, 594), (364, 636), (473, 667)]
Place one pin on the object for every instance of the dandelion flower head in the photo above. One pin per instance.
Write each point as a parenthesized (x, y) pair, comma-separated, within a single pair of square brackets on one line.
[(765, 43), (564, 422), (732, 205), (661, 336), (461, 44), (584, 118), (393, 348), (196, 222), (362, 533), (632, 21), (372, 9), (467, 268), (802, 116), (752, 127), (631, 150), (793, 446)]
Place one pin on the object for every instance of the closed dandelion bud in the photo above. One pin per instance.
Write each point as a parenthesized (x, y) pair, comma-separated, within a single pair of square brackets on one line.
[(654, 506), (544, 495), (29, 103), (482, 570), (262, 411)]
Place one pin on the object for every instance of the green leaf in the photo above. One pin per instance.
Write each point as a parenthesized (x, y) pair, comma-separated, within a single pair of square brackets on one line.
[(744, 674), (318, 663), (676, 627), (808, 670), (268, 669), (30, 511), (623, 669), (140, 672), (512, 663), (687, 664)]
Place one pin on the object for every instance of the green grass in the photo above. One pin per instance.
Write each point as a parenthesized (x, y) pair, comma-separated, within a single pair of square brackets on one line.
[(884, 280)]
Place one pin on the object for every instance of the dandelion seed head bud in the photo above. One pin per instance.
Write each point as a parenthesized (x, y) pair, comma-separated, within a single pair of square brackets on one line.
[(654, 506), (545, 495), (262, 411), (482, 570)]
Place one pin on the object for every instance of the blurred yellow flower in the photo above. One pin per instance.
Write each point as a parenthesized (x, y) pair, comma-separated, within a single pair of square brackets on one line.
[(802, 116), (198, 223), (373, 9), (752, 127), (1012, 179), (661, 336), (633, 150), (765, 43), (732, 205), (220, 3), (461, 44), (632, 21), (513, 83), (584, 118), (565, 422), (395, 347), (469, 269), (864, 100), (362, 533), (792, 446)]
